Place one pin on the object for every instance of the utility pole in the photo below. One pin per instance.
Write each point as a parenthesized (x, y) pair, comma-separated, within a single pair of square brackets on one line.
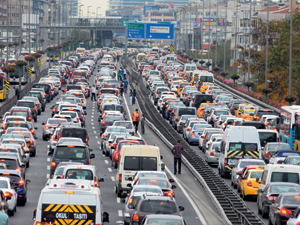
[(249, 32), (267, 49), (201, 28), (225, 21), (209, 39), (29, 45), (216, 48), (290, 50), (235, 35)]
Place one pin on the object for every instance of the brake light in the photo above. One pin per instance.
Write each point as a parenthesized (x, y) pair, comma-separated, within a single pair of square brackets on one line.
[(249, 184), (29, 118), (268, 155), (34, 107), (77, 119), (38, 223), (26, 149), (8, 194), (168, 193), (272, 198), (32, 131), (48, 127), (135, 217), (86, 139), (54, 137), (225, 162), (120, 178), (285, 211), (83, 99), (18, 169), (95, 182), (211, 153), (69, 192), (3, 126), (21, 182), (53, 164)]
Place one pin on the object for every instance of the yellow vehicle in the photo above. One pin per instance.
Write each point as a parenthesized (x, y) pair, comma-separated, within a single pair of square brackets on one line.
[(2, 87), (80, 50), (249, 185), (204, 86), (248, 114), (187, 74), (202, 107), (181, 86), (241, 108)]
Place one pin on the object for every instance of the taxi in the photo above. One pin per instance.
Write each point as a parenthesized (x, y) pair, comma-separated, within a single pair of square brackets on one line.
[(242, 108), (202, 108), (250, 182), (248, 114), (204, 86), (182, 85)]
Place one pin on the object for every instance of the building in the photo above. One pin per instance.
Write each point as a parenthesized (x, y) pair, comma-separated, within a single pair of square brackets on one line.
[(3, 12), (116, 4), (160, 16), (73, 4)]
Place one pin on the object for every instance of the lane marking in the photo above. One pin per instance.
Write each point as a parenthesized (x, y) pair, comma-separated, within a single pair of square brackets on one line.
[(96, 137), (120, 213), (98, 142), (48, 159), (106, 161), (95, 132), (48, 146), (93, 127), (113, 179), (48, 175), (118, 200), (92, 116), (197, 211), (48, 167), (92, 124), (92, 119), (109, 169)]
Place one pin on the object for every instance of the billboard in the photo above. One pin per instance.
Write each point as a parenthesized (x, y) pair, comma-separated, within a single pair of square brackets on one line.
[(151, 8)]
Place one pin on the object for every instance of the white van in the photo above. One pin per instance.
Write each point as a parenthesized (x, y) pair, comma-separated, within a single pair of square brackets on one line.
[(266, 136), (64, 200), (238, 142), (190, 67), (280, 173), (205, 76), (135, 158)]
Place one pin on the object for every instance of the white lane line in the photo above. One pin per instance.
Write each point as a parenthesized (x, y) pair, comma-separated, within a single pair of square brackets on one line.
[(48, 175), (106, 161), (92, 124), (118, 200), (92, 119), (96, 137), (93, 127), (95, 132), (98, 142), (48, 167), (48, 146), (109, 169), (120, 213), (113, 179), (92, 116), (48, 159), (197, 211)]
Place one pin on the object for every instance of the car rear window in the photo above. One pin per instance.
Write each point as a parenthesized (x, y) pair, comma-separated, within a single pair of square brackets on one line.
[(266, 137), (256, 125), (186, 111), (3, 184), (43, 86), (285, 177), (291, 200), (17, 125), (10, 163), (65, 152), (114, 129), (26, 104), (256, 174), (80, 174), (261, 113), (128, 125), (283, 188), (74, 132), (158, 206), (140, 163), (12, 177)]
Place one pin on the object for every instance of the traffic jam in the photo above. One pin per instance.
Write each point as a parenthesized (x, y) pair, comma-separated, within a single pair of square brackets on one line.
[(251, 147), (245, 144)]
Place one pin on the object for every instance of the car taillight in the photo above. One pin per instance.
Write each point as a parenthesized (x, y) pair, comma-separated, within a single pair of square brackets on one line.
[(53, 164), (38, 223), (135, 217), (54, 110), (103, 123), (77, 119), (285, 211), (272, 198), (268, 155), (54, 137), (249, 184), (95, 182), (30, 142), (26, 149), (86, 139), (168, 193), (225, 161), (3, 126), (120, 178), (188, 129), (48, 127), (21, 182), (8, 194), (32, 131), (193, 134)]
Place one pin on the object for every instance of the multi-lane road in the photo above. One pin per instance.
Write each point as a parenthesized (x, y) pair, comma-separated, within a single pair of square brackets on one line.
[(199, 209)]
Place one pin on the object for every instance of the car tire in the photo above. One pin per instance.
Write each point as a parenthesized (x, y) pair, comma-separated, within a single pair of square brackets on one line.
[(35, 119), (264, 214), (11, 212), (259, 211), (244, 197), (39, 112), (44, 138), (33, 153), (22, 202), (27, 165)]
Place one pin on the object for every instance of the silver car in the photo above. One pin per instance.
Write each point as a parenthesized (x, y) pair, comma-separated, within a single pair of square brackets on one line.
[(50, 126), (53, 140), (128, 124), (212, 155), (182, 120), (240, 165)]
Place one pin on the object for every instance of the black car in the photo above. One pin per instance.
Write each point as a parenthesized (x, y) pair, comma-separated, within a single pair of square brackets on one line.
[(283, 208), (46, 88), (234, 105), (69, 152), (73, 131), (39, 96), (256, 124), (31, 105), (269, 194), (197, 99)]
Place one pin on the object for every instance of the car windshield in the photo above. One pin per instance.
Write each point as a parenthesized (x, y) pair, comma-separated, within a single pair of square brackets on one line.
[(164, 221), (160, 183), (80, 174), (219, 113), (284, 188), (158, 206), (256, 174), (70, 152), (243, 164)]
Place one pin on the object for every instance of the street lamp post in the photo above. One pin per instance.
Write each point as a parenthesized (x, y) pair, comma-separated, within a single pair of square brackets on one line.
[(267, 48), (225, 21), (88, 11), (249, 42), (79, 23), (290, 48), (216, 48), (201, 28)]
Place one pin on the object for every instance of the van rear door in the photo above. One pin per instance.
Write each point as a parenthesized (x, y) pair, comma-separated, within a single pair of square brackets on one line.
[(67, 208)]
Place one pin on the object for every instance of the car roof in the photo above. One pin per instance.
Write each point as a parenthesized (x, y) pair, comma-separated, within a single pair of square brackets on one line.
[(282, 151)]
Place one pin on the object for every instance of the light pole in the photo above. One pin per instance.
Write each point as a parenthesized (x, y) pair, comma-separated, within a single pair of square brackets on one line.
[(209, 39), (216, 48), (88, 11), (290, 50), (97, 11), (201, 28), (79, 30), (267, 48), (249, 53), (225, 21)]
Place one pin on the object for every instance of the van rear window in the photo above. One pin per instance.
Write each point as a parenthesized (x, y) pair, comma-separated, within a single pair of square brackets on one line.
[(285, 177), (10, 163), (140, 163), (266, 137), (65, 152), (76, 133), (80, 174), (186, 111), (206, 78)]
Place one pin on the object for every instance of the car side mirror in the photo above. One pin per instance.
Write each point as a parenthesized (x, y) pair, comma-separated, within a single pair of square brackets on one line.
[(28, 181), (49, 153), (23, 166), (173, 186), (161, 157), (84, 113), (129, 185), (92, 156), (101, 180), (35, 128), (163, 166), (58, 177), (239, 173), (105, 217), (171, 180), (52, 107), (110, 142), (43, 123), (181, 208)]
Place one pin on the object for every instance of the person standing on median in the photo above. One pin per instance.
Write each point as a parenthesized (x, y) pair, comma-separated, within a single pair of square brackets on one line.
[(176, 150), (93, 93), (120, 74), (125, 81), (17, 92), (136, 119), (143, 123)]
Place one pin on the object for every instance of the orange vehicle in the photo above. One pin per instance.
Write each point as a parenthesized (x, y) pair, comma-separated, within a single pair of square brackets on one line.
[(248, 114), (202, 108)]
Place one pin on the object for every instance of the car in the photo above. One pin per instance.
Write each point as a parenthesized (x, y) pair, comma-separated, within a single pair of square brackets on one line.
[(59, 171), (19, 183), (189, 124), (71, 130), (22, 111), (196, 132), (182, 120), (240, 165), (50, 126), (250, 182), (271, 148), (108, 142), (283, 208), (163, 219), (108, 120), (135, 195), (269, 194), (147, 205), (244, 173), (30, 140), (211, 156), (7, 187), (16, 148), (127, 124), (280, 155), (65, 152), (30, 104)]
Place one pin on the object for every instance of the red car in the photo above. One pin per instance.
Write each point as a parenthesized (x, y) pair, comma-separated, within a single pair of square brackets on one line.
[(116, 151)]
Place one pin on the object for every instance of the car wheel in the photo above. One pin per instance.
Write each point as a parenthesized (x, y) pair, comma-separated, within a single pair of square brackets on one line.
[(11, 212), (33, 153), (258, 209), (39, 112), (27, 165), (106, 153), (264, 212), (21, 202), (244, 197), (35, 119), (45, 138)]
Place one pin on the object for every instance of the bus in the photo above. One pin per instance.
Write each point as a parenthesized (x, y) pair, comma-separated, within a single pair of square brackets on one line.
[(2, 87), (289, 126), (24, 53), (141, 57), (14, 77)]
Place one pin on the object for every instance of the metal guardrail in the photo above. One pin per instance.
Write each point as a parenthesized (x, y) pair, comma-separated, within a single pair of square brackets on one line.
[(232, 205)]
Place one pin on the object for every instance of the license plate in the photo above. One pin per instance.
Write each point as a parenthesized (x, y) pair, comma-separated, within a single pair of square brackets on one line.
[(231, 161), (217, 159)]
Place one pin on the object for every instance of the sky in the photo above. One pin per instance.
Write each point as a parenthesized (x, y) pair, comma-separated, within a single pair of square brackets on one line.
[(94, 3)]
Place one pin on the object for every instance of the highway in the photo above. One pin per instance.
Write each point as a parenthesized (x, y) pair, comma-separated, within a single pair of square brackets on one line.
[(199, 209)]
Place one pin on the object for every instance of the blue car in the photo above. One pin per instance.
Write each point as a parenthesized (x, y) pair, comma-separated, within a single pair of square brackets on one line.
[(280, 155), (196, 132), (19, 183)]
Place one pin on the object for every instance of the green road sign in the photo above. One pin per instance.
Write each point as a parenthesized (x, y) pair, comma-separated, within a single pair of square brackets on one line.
[(29, 71), (7, 85), (78, 46), (136, 26), (40, 63), (124, 22), (95, 42)]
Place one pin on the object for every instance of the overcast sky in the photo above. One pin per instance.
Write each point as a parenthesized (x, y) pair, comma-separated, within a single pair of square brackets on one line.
[(94, 3)]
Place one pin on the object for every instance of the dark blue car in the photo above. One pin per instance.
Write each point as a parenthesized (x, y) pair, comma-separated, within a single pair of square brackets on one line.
[(280, 155), (19, 184)]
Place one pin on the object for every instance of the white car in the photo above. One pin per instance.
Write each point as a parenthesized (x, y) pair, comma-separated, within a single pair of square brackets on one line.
[(9, 191)]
